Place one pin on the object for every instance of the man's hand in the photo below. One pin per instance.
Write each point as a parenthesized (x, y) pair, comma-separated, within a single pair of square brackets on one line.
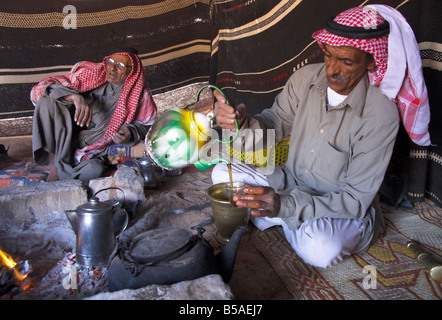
[(225, 114), (263, 198), (122, 136), (83, 113)]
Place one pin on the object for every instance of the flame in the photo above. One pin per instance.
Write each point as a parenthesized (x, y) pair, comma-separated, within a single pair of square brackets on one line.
[(7, 260), (10, 263)]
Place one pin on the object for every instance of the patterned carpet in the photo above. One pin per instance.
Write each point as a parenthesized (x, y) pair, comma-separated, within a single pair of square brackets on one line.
[(387, 271)]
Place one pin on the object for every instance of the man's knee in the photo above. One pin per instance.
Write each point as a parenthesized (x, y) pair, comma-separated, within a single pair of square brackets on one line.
[(92, 170), (324, 242), (319, 249), (51, 109), (241, 172), (220, 173)]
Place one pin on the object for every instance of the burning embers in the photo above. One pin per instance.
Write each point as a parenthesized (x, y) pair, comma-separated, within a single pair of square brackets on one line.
[(13, 275), (65, 280)]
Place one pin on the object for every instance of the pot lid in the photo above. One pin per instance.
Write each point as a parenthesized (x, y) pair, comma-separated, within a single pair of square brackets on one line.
[(160, 244), (94, 205)]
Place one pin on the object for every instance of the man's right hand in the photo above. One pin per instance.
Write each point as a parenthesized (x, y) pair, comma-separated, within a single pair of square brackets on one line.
[(83, 113), (225, 114)]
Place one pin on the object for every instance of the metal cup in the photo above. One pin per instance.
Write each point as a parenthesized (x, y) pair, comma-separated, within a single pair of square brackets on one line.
[(227, 217)]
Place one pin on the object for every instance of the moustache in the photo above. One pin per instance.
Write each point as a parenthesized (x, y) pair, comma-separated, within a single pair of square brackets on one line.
[(338, 77)]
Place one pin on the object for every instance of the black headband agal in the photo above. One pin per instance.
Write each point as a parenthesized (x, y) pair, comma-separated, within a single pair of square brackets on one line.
[(115, 50), (357, 32)]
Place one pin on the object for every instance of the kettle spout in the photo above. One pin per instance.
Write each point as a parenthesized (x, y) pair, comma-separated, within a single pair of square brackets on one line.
[(225, 260), (204, 165), (72, 218)]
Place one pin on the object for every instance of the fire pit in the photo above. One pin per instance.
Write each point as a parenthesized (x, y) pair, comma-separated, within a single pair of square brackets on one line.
[(13, 275), (47, 242), (35, 229), (24, 275), (65, 280)]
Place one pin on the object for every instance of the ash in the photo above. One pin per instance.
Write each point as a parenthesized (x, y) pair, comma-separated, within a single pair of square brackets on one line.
[(6, 281), (68, 281)]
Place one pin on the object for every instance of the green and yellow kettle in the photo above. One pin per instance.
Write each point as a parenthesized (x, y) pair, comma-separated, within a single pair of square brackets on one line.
[(180, 137)]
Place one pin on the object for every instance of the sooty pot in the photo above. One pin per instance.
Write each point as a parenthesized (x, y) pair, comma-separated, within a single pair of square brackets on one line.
[(168, 255)]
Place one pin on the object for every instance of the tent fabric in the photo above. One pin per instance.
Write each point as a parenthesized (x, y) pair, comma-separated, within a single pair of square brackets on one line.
[(46, 39)]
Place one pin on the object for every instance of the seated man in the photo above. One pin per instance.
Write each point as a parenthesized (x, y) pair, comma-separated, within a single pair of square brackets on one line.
[(342, 131), (78, 115)]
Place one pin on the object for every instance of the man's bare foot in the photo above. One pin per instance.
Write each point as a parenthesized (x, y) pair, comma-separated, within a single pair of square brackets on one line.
[(53, 172), (32, 166), (53, 175)]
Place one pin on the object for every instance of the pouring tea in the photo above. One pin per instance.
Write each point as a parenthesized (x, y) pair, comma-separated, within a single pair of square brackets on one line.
[(182, 137)]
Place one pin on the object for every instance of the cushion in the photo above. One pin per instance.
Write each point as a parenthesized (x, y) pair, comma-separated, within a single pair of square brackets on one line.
[(117, 153), (20, 173)]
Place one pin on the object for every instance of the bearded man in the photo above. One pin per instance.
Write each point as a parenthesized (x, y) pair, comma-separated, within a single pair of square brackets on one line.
[(342, 118), (78, 115)]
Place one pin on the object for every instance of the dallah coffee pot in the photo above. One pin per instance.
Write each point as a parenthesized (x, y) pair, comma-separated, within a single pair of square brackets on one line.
[(148, 171)]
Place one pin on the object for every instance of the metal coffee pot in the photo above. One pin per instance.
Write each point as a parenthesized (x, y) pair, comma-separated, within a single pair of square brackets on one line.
[(148, 171), (96, 225)]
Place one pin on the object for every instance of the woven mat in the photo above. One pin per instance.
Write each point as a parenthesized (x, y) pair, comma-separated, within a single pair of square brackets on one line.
[(391, 270)]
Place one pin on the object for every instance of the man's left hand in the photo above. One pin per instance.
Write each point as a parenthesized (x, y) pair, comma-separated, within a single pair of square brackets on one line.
[(263, 200), (122, 136)]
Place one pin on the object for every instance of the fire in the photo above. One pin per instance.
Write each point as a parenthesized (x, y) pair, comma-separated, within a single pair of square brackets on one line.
[(10, 264), (7, 260)]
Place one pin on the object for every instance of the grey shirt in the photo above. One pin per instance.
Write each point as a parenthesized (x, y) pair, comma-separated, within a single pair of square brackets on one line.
[(337, 158)]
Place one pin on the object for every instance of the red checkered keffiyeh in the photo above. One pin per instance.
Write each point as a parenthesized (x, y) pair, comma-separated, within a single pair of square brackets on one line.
[(398, 75), (135, 102)]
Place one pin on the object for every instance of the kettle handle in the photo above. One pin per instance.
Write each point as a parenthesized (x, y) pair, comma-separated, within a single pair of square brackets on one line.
[(108, 188), (124, 224), (212, 87), (118, 209), (227, 101)]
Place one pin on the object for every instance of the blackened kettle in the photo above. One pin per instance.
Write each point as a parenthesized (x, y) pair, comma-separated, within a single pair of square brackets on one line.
[(168, 255)]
